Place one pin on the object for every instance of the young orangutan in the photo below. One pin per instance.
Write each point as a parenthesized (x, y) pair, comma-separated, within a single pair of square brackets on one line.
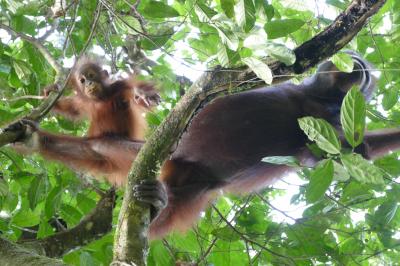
[(115, 110)]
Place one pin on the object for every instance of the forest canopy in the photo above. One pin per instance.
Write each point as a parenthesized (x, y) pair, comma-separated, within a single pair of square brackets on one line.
[(349, 218)]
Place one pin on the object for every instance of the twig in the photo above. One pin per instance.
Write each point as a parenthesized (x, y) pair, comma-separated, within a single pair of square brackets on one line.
[(71, 27), (27, 97), (53, 27)]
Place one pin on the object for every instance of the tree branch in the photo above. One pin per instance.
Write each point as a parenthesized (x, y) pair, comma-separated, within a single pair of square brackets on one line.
[(13, 254), (130, 243), (93, 226)]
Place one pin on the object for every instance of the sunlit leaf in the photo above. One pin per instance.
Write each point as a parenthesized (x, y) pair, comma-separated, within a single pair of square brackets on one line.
[(156, 9), (281, 28), (344, 62), (320, 131), (260, 68), (361, 169), (286, 160), (320, 179)]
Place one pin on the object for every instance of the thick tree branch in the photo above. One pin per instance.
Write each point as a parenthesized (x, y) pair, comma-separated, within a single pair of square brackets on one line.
[(13, 254), (93, 226), (130, 240)]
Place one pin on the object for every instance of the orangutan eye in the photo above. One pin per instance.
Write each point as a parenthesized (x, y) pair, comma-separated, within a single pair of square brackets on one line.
[(82, 80)]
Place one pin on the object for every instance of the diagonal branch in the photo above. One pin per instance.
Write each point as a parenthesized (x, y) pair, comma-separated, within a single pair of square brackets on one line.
[(130, 240), (13, 254), (93, 226)]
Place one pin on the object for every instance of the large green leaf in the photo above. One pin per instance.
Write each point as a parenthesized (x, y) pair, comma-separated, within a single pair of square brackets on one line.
[(343, 62), (320, 131), (229, 38), (361, 169), (204, 13), (155, 9), (228, 7), (37, 190), (390, 97), (157, 38), (281, 28), (261, 69), (320, 179), (53, 201), (352, 117), (245, 14)]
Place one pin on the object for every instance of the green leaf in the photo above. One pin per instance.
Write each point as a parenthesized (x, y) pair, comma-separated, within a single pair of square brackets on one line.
[(361, 169), (204, 13), (159, 254), (84, 203), (285, 160), (228, 7), (281, 28), (44, 229), (26, 217), (226, 233), (386, 212), (390, 97), (351, 246), (340, 173), (128, 25), (222, 55), (85, 259), (260, 68), (156, 38), (53, 202), (352, 117), (268, 10), (3, 187), (37, 191), (70, 214), (337, 3), (343, 62), (320, 179), (389, 164), (245, 14), (320, 131), (22, 70), (228, 38), (281, 52), (155, 9)]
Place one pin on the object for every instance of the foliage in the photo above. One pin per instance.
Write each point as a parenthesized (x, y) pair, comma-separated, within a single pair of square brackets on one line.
[(346, 209)]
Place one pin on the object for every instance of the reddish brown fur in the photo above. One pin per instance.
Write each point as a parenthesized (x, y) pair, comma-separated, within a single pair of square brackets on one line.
[(117, 124)]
